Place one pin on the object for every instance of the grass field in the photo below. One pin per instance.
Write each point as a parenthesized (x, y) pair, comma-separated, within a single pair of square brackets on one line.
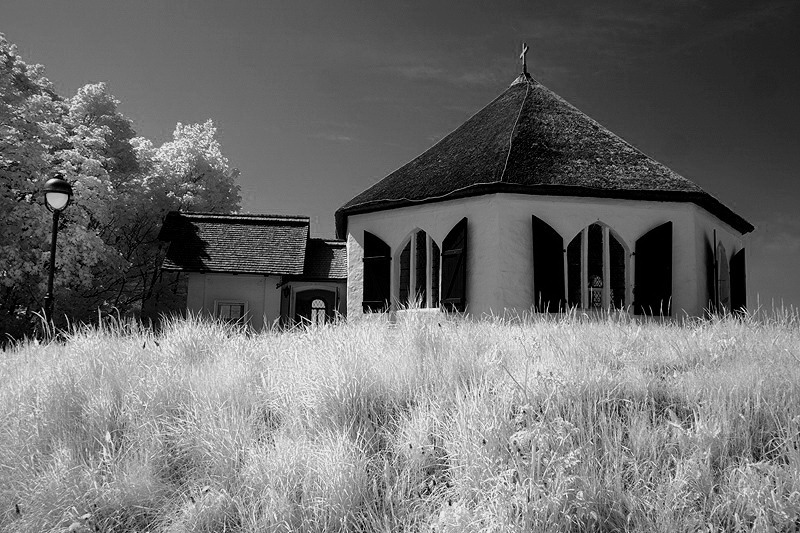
[(570, 424)]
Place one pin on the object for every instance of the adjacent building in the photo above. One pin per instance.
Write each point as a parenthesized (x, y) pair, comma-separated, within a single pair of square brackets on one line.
[(259, 270)]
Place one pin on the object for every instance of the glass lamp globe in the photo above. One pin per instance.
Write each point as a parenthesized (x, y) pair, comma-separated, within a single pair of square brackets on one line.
[(57, 193)]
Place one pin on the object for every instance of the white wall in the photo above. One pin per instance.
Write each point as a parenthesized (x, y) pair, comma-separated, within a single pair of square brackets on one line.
[(395, 225), (629, 220), (260, 293), (500, 267)]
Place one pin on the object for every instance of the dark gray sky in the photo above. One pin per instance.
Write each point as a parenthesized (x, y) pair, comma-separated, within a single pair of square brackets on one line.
[(317, 100)]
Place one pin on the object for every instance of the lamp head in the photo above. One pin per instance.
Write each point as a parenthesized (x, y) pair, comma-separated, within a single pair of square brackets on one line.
[(57, 193)]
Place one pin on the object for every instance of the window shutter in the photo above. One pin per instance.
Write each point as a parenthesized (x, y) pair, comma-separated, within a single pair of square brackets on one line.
[(377, 269), (653, 284), (454, 268), (420, 291), (436, 257), (738, 283), (711, 276), (574, 271), (548, 267)]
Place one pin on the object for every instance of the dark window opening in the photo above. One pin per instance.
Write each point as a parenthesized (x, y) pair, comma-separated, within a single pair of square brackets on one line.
[(405, 275), (377, 271), (617, 258), (595, 266), (421, 289)]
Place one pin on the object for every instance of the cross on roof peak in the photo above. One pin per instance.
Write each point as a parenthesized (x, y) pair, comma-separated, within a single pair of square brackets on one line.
[(523, 58)]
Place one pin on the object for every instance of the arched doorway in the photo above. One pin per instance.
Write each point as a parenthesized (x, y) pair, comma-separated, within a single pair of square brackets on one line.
[(314, 306)]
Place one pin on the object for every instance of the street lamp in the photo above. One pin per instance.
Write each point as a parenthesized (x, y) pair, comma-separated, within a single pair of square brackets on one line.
[(57, 194)]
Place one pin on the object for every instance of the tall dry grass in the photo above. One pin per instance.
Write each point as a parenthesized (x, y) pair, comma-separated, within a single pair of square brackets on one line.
[(523, 424)]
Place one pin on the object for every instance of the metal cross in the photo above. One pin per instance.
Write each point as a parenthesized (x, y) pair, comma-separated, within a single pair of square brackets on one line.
[(522, 57)]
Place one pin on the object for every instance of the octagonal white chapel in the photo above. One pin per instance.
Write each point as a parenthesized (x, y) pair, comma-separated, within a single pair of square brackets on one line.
[(532, 205)]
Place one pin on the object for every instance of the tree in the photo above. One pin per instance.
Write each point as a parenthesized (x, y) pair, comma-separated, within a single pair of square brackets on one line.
[(109, 254), (30, 131)]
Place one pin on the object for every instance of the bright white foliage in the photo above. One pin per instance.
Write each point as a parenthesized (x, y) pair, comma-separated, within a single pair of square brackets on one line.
[(108, 252), (196, 174)]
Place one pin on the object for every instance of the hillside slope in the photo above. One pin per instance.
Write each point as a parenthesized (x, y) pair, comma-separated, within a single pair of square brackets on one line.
[(526, 425)]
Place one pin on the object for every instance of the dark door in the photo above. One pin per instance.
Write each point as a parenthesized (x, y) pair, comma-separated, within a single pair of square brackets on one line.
[(652, 293), (314, 306)]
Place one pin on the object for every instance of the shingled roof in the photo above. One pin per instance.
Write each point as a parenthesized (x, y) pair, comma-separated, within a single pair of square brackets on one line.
[(325, 259), (237, 244), (530, 140)]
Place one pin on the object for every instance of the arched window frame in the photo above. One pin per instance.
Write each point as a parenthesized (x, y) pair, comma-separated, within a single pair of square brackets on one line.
[(431, 248), (584, 279), (318, 312)]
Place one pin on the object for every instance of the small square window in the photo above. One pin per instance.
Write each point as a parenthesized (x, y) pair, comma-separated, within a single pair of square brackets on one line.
[(230, 311)]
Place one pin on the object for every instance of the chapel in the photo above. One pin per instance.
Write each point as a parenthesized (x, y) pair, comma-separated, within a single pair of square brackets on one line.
[(532, 205)]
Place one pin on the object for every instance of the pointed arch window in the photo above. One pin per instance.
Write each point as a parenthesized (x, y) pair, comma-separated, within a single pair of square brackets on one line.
[(377, 272), (596, 269), (419, 272)]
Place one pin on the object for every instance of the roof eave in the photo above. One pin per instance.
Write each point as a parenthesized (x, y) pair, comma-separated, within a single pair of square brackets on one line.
[(702, 199), (169, 268)]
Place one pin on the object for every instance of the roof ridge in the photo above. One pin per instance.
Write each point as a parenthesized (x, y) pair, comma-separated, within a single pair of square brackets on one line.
[(604, 129), (404, 199), (437, 143), (514, 127), (242, 216)]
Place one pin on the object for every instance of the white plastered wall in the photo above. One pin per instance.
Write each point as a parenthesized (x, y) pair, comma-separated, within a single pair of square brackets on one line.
[(628, 219), (395, 225), (260, 293), (500, 264)]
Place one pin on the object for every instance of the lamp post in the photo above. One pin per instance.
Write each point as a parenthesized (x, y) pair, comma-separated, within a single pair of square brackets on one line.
[(57, 194)]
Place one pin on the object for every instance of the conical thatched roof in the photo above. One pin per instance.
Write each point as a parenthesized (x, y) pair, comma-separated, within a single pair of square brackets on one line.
[(530, 140)]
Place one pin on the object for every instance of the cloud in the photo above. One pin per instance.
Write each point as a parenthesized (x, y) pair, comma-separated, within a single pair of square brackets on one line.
[(333, 137)]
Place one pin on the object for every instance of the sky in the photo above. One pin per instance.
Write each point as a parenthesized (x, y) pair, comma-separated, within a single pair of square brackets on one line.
[(317, 100)]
